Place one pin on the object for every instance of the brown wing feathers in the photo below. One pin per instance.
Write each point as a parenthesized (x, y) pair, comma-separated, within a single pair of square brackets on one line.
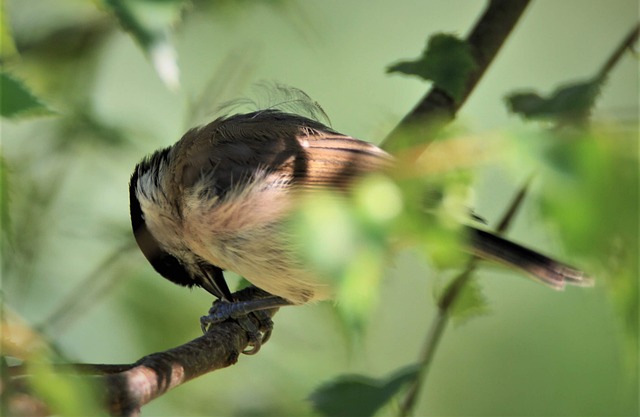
[(335, 161)]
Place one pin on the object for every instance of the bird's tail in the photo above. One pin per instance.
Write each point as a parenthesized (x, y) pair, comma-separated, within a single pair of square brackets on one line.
[(553, 273)]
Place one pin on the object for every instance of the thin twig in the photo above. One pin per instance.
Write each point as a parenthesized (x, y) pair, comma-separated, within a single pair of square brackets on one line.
[(626, 43), (510, 214), (436, 330), (71, 368), (95, 285), (445, 305)]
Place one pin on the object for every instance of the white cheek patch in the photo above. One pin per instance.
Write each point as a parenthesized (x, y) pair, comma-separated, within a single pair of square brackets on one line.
[(160, 216), (163, 223)]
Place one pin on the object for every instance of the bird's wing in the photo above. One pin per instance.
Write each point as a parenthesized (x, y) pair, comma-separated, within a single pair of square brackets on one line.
[(335, 161)]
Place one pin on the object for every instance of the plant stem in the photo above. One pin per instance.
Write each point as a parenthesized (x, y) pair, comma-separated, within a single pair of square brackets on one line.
[(434, 335), (445, 305), (626, 43)]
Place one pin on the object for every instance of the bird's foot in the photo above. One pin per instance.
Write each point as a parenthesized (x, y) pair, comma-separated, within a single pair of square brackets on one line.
[(251, 315)]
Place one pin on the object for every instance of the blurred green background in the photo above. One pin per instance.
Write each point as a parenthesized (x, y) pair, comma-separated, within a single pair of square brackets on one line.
[(538, 352)]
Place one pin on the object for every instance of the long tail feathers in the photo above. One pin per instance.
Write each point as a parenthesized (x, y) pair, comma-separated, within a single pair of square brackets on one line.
[(553, 273)]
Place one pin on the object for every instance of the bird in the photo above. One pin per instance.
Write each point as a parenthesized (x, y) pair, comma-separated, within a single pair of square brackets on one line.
[(218, 200)]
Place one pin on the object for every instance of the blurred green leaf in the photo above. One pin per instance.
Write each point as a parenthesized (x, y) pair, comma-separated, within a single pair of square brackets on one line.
[(447, 61), (592, 188), (5, 215), (31, 225), (63, 61), (378, 199), (345, 243), (65, 394), (7, 45), (592, 194), (347, 240), (470, 303), (359, 395), (359, 289), (16, 100), (569, 104), (327, 235), (150, 23), (435, 206)]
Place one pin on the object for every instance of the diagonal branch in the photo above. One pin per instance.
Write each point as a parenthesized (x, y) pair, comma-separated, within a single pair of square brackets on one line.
[(127, 387), (626, 43), (437, 108), (155, 374)]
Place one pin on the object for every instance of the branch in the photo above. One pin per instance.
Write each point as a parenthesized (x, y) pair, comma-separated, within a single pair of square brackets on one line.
[(626, 43), (437, 108), (429, 116), (128, 387), (155, 374)]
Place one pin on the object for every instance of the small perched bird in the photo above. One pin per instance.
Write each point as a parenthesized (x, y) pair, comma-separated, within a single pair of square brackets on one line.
[(217, 200)]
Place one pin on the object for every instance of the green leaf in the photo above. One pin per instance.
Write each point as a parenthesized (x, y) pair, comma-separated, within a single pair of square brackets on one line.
[(376, 205), (7, 45), (16, 99), (435, 206), (344, 242), (150, 23), (470, 303), (569, 104), (359, 395), (5, 215), (359, 289), (447, 61), (326, 233)]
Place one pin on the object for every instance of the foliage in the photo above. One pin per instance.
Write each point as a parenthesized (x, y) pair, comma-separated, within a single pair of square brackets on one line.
[(17, 100), (594, 175), (66, 395), (61, 205), (349, 239), (446, 61), (358, 395), (569, 105), (7, 46)]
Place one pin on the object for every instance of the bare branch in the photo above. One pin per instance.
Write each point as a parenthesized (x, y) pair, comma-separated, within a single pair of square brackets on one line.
[(128, 387), (155, 374), (626, 43)]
